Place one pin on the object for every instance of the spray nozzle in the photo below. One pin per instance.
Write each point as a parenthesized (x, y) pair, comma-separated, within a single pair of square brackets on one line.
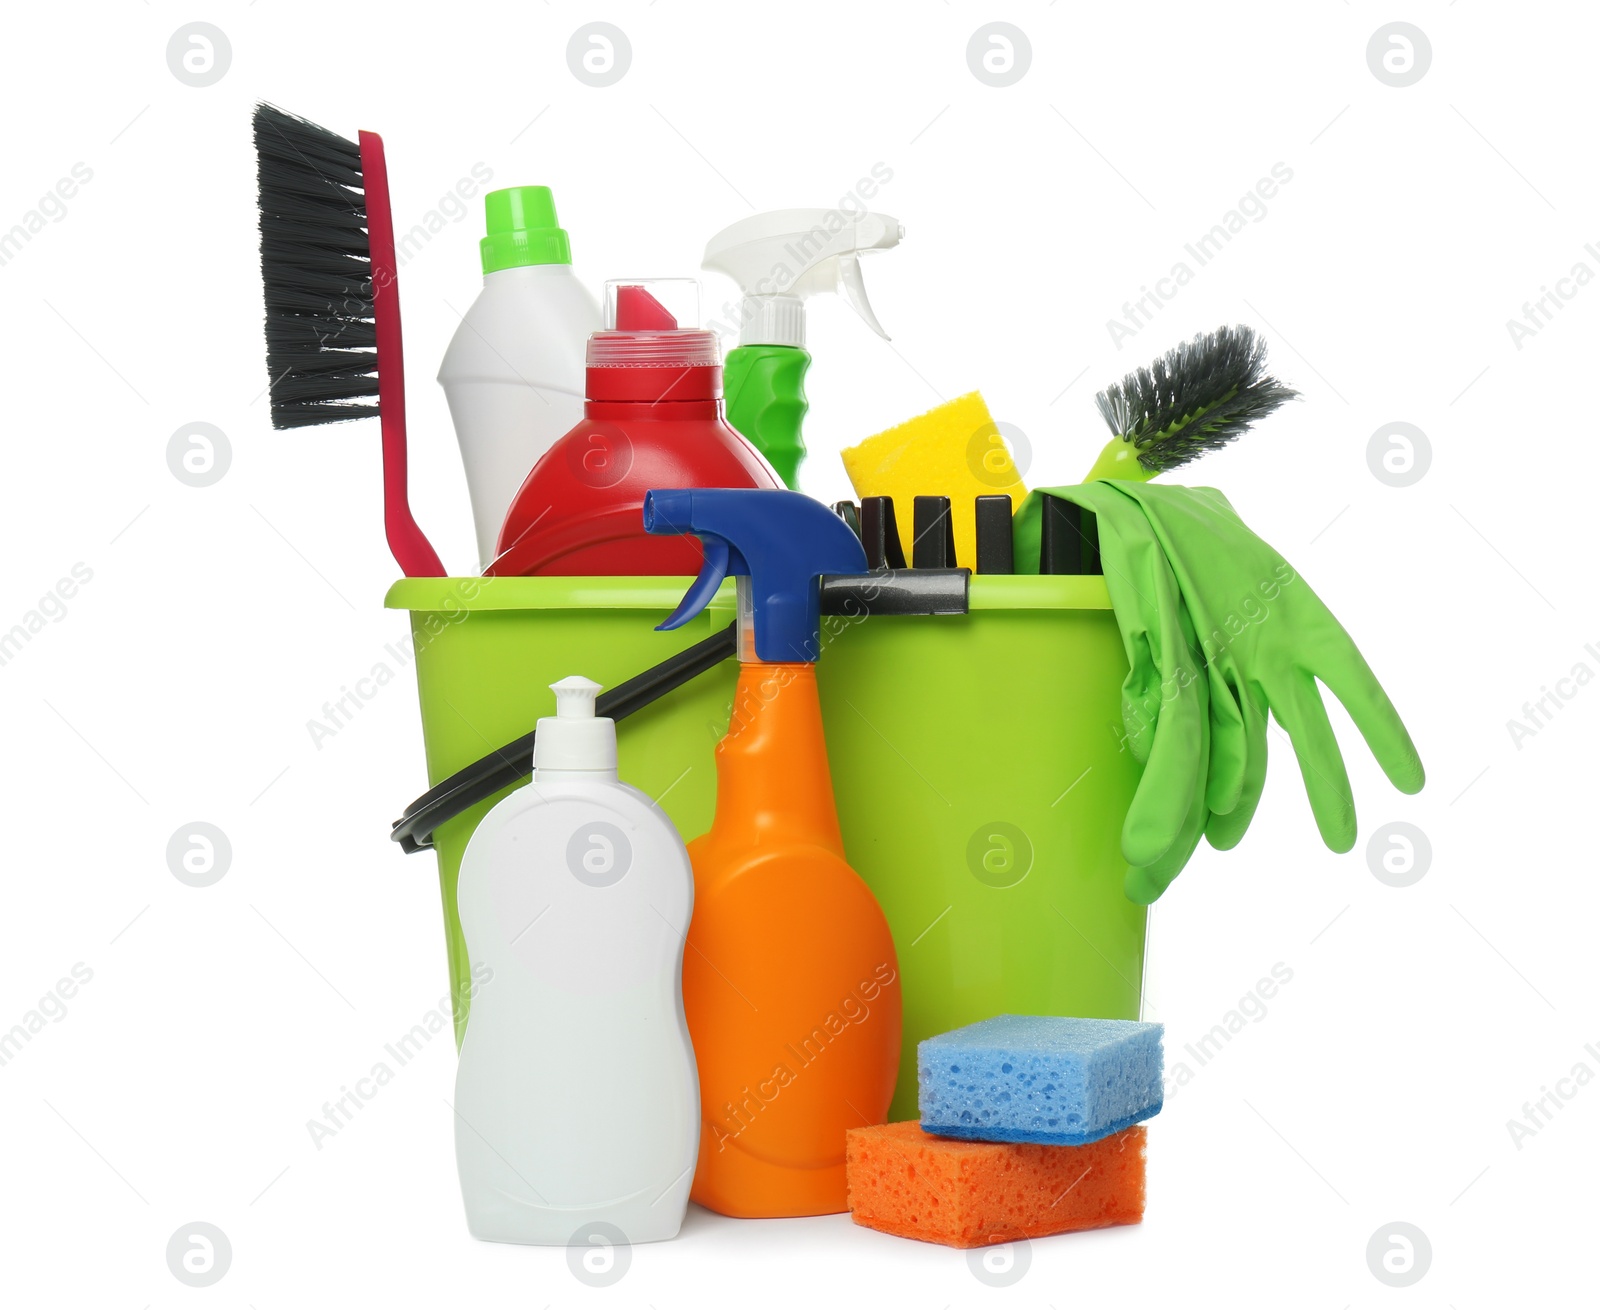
[(780, 258), (778, 544)]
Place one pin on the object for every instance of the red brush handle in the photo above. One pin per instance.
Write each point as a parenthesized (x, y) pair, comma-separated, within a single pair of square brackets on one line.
[(410, 548)]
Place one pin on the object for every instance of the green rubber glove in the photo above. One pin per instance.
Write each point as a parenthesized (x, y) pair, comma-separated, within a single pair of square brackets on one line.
[(1264, 642), (1165, 707), (1166, 696)]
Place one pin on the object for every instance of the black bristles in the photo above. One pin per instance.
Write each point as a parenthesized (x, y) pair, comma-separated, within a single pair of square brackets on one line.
[(1197, 397), (316, 269)]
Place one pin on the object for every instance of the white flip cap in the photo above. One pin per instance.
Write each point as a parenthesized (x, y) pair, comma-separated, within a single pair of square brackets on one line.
[(574, 740)]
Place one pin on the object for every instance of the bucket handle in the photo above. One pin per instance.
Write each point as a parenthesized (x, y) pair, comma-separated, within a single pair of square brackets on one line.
[(880, 591), (460, 791)]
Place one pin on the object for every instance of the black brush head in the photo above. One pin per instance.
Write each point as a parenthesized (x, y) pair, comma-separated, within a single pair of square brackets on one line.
[(1197, 397), (316, 268)]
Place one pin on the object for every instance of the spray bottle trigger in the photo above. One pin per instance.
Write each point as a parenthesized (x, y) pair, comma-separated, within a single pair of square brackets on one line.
[(854, 290), (720, 559)]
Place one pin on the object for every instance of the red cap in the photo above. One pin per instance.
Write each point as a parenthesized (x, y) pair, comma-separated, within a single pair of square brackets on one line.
[(648, 357)]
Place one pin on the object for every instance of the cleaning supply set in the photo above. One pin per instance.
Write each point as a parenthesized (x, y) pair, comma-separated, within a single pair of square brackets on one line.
[(956, 450), (1219, 630), (574, 894), (909, 1183), (1029, 1128), (513, 373), (839, 872), (652, 418), (786, 938), (328, 269), (779, 259), (1020, 1078)]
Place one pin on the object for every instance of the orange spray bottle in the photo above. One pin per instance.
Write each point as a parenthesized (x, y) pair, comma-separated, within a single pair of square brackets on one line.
[(790, 982)]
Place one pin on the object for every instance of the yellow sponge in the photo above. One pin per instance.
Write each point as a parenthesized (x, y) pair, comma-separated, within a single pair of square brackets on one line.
[(955, 450)]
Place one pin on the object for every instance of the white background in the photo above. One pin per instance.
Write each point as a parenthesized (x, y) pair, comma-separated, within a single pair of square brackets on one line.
[(178, 683)]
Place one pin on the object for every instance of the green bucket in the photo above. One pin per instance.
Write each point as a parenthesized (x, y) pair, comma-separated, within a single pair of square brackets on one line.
[(977, 763)]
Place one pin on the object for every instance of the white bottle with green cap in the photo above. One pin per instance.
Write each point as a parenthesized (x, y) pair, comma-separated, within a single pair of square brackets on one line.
[(514, 371)]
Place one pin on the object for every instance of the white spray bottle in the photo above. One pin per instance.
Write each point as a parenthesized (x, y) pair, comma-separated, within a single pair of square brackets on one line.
[(779, 259), (513, 373), (577, 1098)]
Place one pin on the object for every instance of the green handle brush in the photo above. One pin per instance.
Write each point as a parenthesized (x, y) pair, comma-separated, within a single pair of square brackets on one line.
[(1197, 397)]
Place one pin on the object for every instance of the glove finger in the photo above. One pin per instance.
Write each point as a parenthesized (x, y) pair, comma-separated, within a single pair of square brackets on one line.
[(1178, 741), (1304, 717), (1174, 778), (1140, 582), (1166, 790), (1226, 830), (1374, 714), (1144, 884), (1229, 748), (1141, 699)]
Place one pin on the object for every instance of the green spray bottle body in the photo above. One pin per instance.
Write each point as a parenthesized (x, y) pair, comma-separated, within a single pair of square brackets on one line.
[(764, 388)]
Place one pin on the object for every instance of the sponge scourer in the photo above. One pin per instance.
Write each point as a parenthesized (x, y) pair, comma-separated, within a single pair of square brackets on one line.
[(955, 450), (1018, 1078), (905, 1182)]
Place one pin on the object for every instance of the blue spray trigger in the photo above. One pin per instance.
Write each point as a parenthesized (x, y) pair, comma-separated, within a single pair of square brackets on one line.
[(782, 541), (721, 561)]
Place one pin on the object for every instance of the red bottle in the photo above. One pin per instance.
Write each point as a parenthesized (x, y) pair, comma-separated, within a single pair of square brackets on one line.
[(652, 418)]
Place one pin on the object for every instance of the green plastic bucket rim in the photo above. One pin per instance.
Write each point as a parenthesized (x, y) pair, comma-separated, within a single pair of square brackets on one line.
[(434, 595)]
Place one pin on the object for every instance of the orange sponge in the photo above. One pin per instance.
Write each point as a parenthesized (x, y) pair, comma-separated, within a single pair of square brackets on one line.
[(909, 1183)]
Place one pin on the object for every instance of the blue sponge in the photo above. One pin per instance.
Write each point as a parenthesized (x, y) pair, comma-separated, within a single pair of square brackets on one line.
[(1021, 1078)]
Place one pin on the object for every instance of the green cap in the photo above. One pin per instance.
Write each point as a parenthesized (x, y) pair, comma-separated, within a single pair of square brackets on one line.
[(523, 229)]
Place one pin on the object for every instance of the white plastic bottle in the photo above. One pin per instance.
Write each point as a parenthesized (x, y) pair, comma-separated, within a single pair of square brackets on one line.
[(513, 373), (577, 1098)]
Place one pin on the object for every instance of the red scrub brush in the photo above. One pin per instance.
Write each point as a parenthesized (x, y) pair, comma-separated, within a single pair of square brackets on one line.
[(333, 306)]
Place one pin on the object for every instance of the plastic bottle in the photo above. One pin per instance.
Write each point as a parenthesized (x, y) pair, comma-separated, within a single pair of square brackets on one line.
[(653, 418), (779, 259), (791, 984), (576, 1096), (513, 373)]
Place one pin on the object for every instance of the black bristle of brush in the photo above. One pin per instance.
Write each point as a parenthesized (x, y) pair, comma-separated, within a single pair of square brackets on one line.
[(316, 268), (1197, 397)]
